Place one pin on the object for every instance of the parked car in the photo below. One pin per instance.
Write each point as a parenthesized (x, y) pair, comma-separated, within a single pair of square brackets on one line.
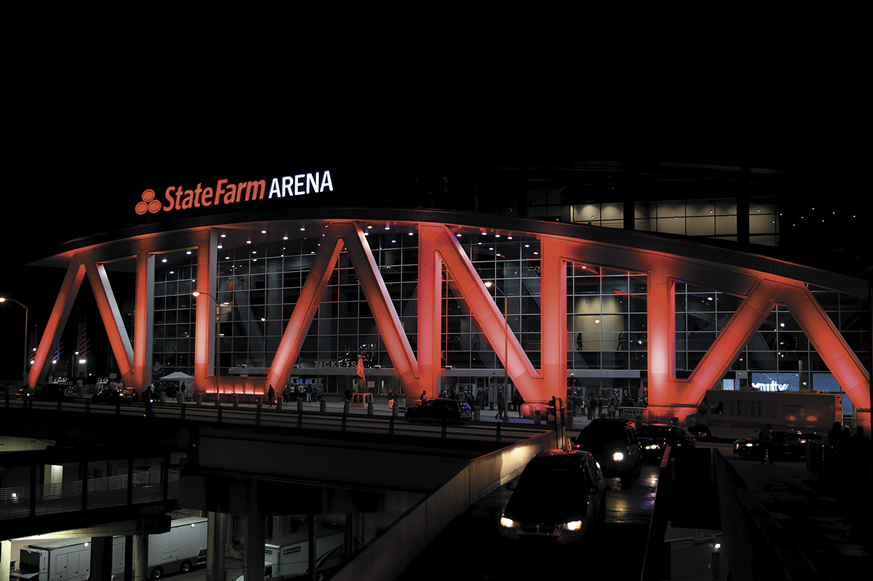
[(438, 410), (654, 438), (615, 445), (786, 445), (112, 396), (54, 392), (559, 498)]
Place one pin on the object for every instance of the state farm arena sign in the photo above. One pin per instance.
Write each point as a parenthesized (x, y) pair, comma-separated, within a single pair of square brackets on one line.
[(224, 193)]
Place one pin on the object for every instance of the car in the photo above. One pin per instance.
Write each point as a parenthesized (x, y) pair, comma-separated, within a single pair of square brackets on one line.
[(615, 445), (559, 499), (441, 409), (654, 438), (54, 392), (786, 445), (112, 397)]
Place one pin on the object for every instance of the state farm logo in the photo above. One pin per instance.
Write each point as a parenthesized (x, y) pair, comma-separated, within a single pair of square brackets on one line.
[(148, 204), (224, 193)]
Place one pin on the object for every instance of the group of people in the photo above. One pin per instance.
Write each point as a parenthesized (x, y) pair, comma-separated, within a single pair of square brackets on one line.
[(292, 392), (853, 453), (592, 407)]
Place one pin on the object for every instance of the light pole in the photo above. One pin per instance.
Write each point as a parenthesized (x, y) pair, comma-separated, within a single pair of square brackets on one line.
[(217, 340), (490, 284), (26, 312)]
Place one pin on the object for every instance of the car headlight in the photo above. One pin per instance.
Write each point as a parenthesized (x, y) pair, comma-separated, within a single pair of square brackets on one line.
[(573, 525), (506, 522), (750, 445), (618, 456), (652, 447)]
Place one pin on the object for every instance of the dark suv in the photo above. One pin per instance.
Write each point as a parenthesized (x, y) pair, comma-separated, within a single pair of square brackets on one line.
[(439, 410), (559, 497), (655, 438), (615, 444)]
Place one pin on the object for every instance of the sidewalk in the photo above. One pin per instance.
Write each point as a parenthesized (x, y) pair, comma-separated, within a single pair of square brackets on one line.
[(829, 522)]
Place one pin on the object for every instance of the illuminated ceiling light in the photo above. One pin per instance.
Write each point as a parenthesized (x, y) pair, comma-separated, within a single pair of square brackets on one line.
[(163, 260), (248, 241), (284, 238), (302, 229), (188, 253), (224, 235), (220, 246), (458, 235), (410, 233), (509, 237)]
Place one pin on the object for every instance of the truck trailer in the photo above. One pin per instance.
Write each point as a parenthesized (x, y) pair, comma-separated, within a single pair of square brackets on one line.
[(742, 414), (179, 549), (288, 556)]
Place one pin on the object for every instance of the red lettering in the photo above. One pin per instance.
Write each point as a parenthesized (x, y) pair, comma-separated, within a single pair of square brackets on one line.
[(189, 199), (167, 195), (229, 197), (197, 191), (253, 190), (218, 191), (242, 186), (178, 198), (207, 197)]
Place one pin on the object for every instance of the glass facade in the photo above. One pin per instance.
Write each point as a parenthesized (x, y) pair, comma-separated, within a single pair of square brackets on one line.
[(174, 313), (261, 271), (778, 356)]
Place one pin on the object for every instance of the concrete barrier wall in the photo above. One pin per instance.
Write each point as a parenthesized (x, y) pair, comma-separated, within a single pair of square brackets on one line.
[(757, 547), (387, 556)]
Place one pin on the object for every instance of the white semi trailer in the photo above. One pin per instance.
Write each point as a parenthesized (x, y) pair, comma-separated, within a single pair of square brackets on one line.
[(742, 414), (70, 559), (288, 556)]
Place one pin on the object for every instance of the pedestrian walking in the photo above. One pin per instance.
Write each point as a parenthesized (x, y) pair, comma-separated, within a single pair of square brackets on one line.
[(271, 395), (500, 405), (765, 440)]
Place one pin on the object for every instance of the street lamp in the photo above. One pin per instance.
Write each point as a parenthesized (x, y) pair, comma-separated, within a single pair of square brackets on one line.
[(217, 334), (26, 312), (489, 284)]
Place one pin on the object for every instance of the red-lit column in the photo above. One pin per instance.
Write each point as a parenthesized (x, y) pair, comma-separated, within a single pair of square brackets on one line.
[(57, 321), (112, 321), (143, 319), (553, 317), (204, 340), (661, 334), (430, 270)]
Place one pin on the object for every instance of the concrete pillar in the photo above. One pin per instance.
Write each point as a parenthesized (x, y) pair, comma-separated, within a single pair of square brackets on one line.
[(216, 542), (141, 556), (254, 560), (101, 559), (5, 557)]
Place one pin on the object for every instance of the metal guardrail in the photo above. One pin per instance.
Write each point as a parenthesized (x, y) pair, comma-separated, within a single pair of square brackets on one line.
[(298, 419)]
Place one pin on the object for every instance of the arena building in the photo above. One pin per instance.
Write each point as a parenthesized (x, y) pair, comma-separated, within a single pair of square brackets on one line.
[(543, 278)]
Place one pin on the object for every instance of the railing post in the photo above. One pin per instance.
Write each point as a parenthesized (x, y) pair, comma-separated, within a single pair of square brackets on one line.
[(299, 416), (258, 414), (219, 414), (391, 426), (443, 434), (182, 415), (498, 431)]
